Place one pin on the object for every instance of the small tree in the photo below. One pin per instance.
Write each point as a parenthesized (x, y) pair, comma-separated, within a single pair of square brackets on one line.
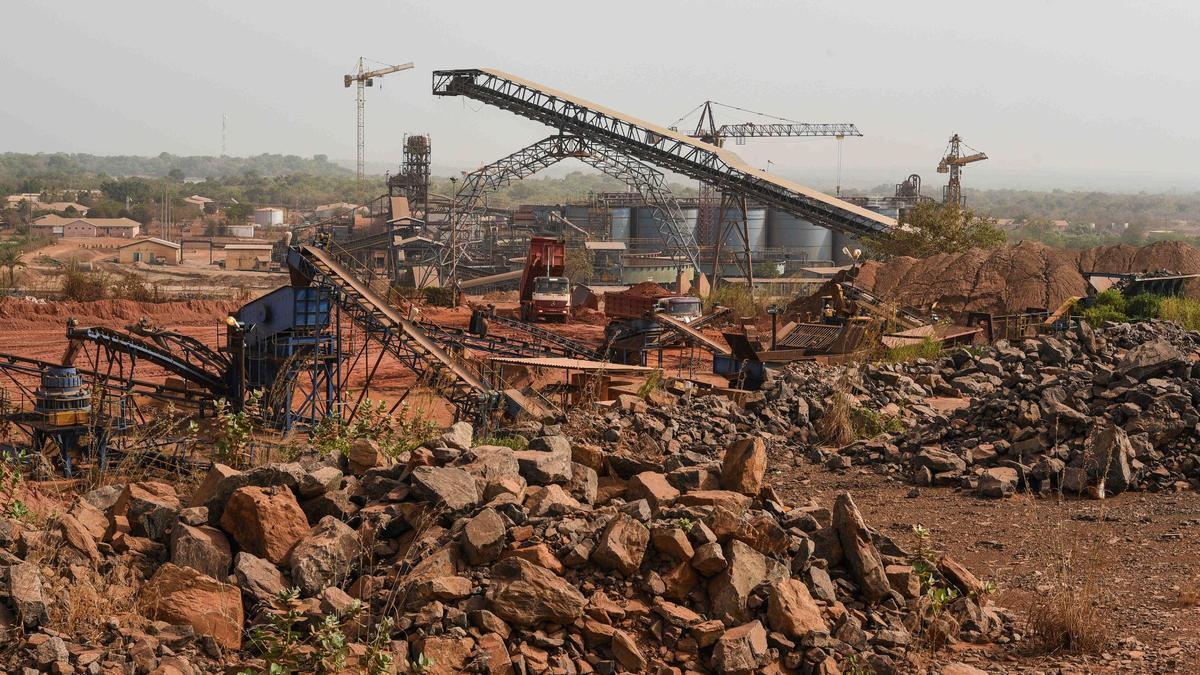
[(10, 259), (579, 264), (933, 228)]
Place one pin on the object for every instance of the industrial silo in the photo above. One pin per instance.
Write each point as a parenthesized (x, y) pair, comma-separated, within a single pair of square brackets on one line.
[(756, 228), (620, 218), (799, 238)]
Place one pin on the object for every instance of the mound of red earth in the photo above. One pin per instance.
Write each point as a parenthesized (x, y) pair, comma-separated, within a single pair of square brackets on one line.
[(559, 558), (20, 313), (1011, 279)]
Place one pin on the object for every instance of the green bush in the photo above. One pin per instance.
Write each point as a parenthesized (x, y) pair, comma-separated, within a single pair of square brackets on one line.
[(927, 348), (1183, 311), (735, 296), (1144, 306), (1107, 306)]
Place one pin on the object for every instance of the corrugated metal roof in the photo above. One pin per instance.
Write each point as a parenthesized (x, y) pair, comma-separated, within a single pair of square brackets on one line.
[(605, 245), (153, 240), (564, 363)]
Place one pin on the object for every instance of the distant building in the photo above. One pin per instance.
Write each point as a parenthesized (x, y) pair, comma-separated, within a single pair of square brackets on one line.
[(198, 201), (150, 250), (268, 216), (330, 210), (247, 257), (67, 227), (241, 231), (31, 197)]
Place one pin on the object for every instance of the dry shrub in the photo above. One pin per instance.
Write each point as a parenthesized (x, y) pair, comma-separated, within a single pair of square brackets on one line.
[(834, 427), (1189, 593), (1068, 616)]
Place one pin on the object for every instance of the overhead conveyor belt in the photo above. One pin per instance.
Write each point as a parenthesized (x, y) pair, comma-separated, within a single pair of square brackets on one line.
[(657, 145)]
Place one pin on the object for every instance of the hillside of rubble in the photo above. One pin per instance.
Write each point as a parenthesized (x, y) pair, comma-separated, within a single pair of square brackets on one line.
[(1012, 279)]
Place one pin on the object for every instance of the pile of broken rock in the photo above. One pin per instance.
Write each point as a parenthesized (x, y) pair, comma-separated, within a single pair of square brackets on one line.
[(554, 558), (1089, 413)]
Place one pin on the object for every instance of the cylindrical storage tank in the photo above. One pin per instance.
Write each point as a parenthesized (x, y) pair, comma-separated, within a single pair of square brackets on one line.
[(619, 223), (799, 238), (756, 228), (268, 217), (646, 236), (691, 220)]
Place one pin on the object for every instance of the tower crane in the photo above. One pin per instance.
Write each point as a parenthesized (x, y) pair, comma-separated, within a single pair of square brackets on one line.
[(952, 163), (710, 132), (366, 78)]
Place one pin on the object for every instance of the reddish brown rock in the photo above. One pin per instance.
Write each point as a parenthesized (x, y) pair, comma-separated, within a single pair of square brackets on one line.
[(265, 521), (483, 538), (365, 454), (446, 655), (525, 594), (626, 651), (494, 655), (151, 508), (622, 545), (741, 650), (653, 487), (862, 556), (204, 549), (744, 466), (183, 596), (791, 609), (325, 556)]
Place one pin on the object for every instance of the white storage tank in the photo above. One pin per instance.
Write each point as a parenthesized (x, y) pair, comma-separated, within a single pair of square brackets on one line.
[(268, 216), (798, 237), (756, 228)]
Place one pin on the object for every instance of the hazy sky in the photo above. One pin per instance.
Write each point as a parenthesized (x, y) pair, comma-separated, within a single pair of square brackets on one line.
[(1059, 94)]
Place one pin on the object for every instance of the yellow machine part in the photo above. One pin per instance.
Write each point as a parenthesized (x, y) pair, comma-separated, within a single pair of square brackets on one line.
[(66, 418)]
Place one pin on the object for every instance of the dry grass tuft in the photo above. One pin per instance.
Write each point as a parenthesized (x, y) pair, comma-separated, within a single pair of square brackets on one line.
[(1068, 615), (834, 427)]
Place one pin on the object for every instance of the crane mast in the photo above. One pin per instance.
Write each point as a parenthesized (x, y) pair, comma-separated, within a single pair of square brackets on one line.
[(366, 78), (952, 163)]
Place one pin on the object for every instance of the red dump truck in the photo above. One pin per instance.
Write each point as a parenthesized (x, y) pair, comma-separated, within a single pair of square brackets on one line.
[(645, 298), (545, 292)]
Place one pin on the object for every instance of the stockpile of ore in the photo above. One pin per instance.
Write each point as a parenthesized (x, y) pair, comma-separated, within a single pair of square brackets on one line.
[(557, 558), (1085, 412)]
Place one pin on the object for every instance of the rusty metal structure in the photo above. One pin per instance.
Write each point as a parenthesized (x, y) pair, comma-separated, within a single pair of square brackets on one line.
[(952, 163), (666, 148)]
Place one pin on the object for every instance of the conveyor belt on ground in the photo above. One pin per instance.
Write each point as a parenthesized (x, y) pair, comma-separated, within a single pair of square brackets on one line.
[(690, 334), (657, 145), (404, 339), (139, 349), (492, 344), (568, 346), (675, 338), (11, 364)]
